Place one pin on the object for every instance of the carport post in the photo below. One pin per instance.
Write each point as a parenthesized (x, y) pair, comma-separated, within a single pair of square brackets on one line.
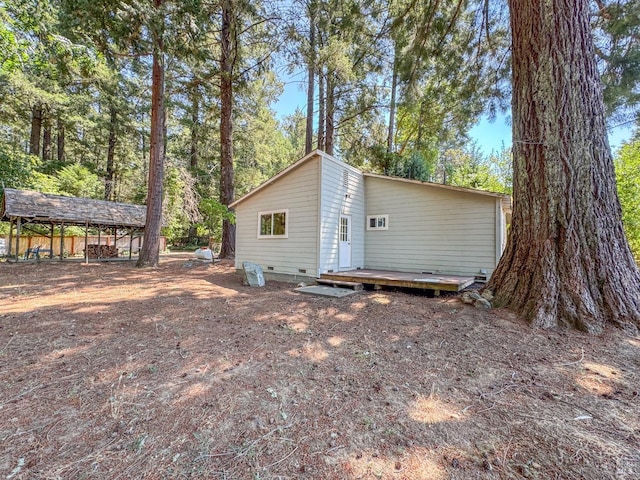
[(51, 243), (10, 237), (18, 239), (86, 239), (62, 241)]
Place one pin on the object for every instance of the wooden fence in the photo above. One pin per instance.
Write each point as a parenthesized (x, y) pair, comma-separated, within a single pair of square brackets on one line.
[(74, 246)]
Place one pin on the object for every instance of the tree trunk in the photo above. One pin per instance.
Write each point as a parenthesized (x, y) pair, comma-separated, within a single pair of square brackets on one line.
[(420, 135), (227, 248), (60, 141), (46, 138), (321, 109), (195, 128), (111, 151), (36, 129), (308, 139), (567, 262), (144, 159), (392, 105), (150, 252), (331, 111)]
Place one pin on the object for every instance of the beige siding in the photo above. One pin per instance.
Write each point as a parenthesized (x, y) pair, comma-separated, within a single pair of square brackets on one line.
[(430, 229), (339, 199), (296, 192)]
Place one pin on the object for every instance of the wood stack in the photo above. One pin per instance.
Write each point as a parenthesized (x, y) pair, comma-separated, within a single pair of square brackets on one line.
[(102, 251)]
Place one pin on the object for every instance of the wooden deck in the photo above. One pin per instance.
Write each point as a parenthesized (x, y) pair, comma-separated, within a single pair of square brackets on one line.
[(423, 281)]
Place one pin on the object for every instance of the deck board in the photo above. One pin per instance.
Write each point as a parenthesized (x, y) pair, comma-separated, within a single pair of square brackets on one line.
[(424, 281)]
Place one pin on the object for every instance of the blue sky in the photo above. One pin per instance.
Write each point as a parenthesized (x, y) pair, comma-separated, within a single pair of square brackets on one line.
[(491, 136)]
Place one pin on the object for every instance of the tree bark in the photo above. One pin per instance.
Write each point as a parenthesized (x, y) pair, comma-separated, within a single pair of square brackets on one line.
[(60, 141), (321, 109), (392, 105), (36, 129), (150, 252), (567, 262), (111, 152), (227, 248), (308, 139), (331, 111), (46, 138), (195, 128), (421, 115), (145, 158)]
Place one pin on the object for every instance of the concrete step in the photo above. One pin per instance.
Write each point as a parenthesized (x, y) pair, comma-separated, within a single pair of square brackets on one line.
[(326, 291), (341, 284)]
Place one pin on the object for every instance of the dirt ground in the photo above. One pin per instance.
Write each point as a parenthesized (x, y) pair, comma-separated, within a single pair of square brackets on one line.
[(110, 372)]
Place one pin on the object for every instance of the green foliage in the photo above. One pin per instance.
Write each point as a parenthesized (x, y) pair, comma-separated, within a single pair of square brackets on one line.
[(16, 169), (180, 205), (470, 168), (41, 182), (213, 212), (616, 27), (413, 165), (449, 71), (12, 53), (263, 148), (22, 171), (627, 164), (78, 181)]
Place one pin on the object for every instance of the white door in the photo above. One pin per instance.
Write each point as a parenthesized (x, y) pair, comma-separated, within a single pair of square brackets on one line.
[(344, 249)]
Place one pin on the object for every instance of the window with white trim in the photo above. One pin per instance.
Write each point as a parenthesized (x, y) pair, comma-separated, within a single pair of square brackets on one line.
[(273, 224), (378, 222)]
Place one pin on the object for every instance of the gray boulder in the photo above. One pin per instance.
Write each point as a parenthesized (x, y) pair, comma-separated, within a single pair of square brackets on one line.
[(487, 294), (482, 304), (474, 298), (470, 297), (253, 274)]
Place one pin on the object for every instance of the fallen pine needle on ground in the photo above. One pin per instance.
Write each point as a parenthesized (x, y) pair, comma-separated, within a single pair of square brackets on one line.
[(112, 372)]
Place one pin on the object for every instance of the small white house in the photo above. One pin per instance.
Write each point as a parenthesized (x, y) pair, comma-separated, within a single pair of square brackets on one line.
[(321, 215)]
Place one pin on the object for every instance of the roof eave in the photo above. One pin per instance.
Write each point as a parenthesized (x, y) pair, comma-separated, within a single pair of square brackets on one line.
[(439, 185)]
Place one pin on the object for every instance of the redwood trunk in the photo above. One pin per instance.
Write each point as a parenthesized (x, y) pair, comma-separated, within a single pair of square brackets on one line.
[(392, 105), (150, 252), (227, 248), (47, 151), (60, 141), (111, 152), (195, 128), (321, 109), (331, 110), (567, 261), (36, 130), (308, 139)]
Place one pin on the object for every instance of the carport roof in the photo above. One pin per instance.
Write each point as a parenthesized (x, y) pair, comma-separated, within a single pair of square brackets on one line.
[(47, 208)]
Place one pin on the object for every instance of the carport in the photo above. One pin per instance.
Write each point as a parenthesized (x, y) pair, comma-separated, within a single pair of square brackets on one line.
[(25, 208)]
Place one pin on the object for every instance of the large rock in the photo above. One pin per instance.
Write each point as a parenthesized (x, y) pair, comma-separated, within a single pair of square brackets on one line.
[(204, 253), (253, 274), (482, 304), (474, 298), (470, 297), (487, 294)]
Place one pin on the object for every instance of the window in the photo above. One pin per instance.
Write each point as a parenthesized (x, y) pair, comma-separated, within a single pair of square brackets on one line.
[(272, 224), (378, 222), (344, 229)]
